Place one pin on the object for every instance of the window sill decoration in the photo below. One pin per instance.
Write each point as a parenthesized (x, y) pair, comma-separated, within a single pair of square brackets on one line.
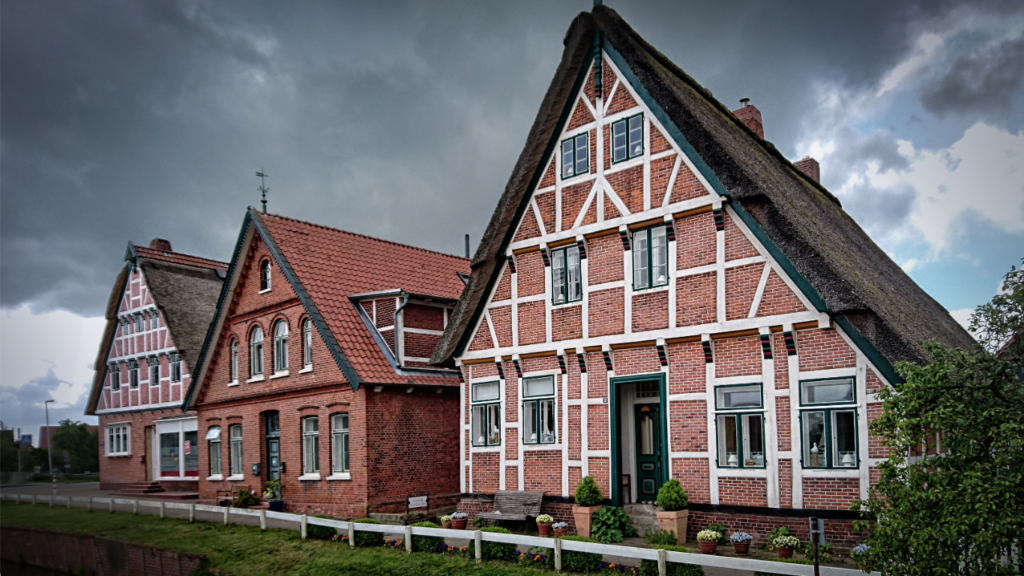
[(279, 374), (342, 476), (233, 383), (310, 478)]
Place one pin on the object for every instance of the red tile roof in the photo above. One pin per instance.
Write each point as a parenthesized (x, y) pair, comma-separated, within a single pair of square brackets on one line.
[(179, 258), (333, 265)]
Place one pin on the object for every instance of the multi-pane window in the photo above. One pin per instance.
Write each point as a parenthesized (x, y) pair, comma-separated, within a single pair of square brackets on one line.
[(154, 320), (256, 352), (307, 343), (650, 258), (539, 410), (133, 374), (829, 435), (628, 138), (741, 441), (235, 433), (115, 376), (154, 371), (213, 439), (486, 414), (175, 367), (139, 326), (576, 155), (311, 445), (234, 360), (118, 437), (339, 443), (265, 275), (566, 282), (281, 346)]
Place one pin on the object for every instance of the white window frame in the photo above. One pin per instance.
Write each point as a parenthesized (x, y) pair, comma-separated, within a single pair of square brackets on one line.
[(256, 353), (566, 276), (575, 169), (175, 367), (214, 448), (310, 447), (626, 134), (538, 400), (488, 407), (280, 348), (307, 344), (118, 439), (340, 465), (644, 260), (235, 453), (265, 276)]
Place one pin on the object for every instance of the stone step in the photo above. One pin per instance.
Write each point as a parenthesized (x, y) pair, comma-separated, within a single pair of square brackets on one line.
[(642, 516)]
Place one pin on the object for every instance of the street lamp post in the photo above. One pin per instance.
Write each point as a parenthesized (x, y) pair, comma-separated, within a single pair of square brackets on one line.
[(49, 444)]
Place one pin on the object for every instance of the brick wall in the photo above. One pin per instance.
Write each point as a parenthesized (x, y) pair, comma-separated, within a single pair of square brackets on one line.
[(823, 349), (117, 472), (830, 493), (743, 491), (839, 533), (542, 471), (737, 357), (688, 426)]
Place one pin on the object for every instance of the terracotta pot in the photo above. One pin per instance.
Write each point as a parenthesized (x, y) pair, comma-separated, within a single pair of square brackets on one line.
[(459, 523), (785, 552), (561, 532), (708, 547), (741, 549), (446, 524), (583, 515), (674, 521), (545, 529)]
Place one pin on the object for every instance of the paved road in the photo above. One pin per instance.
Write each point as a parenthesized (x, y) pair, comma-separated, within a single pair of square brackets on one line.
[(92, 489)]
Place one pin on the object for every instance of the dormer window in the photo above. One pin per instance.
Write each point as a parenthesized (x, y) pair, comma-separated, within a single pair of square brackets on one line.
[(115, 377), (133, 374), (566, 283), (139, 325), (576, 155), (628, 138), (265, 276)]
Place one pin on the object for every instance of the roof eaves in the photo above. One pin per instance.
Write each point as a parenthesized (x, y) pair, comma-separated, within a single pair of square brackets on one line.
[(107, 341)]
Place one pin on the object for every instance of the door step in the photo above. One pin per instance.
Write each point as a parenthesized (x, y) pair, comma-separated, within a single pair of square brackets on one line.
[(642, 516)]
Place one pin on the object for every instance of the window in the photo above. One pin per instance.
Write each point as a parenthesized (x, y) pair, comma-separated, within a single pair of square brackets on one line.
[(307, 343), (234, 360), (118, 440), (133, 374), (576, 155), (741, 440), (235, 431), (118, 329), (256, 352), (139, 325), (539, 410), (339, 444), (566, 283), (175, 367), (264, 275), (829, 438), (154, 370), (311, 445), (832, 391), (154, 320), (486, 414), (650, 258), (115, 377), (628, 138), (738, 397), (281, 346), (213, 440)]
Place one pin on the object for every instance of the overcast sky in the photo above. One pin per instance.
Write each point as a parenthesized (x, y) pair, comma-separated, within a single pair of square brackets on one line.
[(124, 121)]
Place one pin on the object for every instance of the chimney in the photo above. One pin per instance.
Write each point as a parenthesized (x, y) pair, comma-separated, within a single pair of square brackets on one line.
[(810, 167), (751, 116), (160, 244), (467, 246)]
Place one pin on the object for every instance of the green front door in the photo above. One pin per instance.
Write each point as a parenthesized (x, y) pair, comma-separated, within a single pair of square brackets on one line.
[(648, 451)]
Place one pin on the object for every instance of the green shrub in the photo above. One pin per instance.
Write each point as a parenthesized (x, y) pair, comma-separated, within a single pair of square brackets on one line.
[(785, 561), (320, 532), (650, 567), (654, 536), (426, 543), (587, 492), (775, 533), (721, 529), (368, 539), (672, 496), (611, 525), (494, 550), (576, 561)]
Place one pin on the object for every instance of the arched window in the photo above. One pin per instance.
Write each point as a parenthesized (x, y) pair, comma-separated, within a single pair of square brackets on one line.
[(256, 352), (307, 343), (234, 360), (264, 275), (281, 346)]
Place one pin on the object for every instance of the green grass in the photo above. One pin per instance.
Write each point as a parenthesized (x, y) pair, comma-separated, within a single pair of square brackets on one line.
[(245, 550)]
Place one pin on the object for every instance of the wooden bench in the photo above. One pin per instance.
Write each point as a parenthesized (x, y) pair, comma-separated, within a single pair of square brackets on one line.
[(228, 496), (514, 505)]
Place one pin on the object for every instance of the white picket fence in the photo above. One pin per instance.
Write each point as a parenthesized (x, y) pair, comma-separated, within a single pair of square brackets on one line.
[(662, 557)]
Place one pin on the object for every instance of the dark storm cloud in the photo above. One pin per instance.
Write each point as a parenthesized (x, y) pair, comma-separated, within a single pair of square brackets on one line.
[(981, 85), (23, 406), (130, 120)]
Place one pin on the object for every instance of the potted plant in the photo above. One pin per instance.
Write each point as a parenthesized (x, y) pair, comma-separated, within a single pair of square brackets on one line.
[(246, 498), (860, 556), (588, 501), (785, 546), (272, 494), (459, 520), (560, 528), (741, 543), (672, 500), (544, 524), (708, 541), (446, 521)]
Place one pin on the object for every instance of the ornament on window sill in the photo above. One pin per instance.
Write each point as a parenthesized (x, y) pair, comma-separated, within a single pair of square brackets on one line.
[(732, 460), (814, 455)]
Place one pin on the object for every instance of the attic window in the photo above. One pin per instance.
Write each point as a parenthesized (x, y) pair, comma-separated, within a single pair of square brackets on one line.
[(628, 138), (576, 155), (264, 275)]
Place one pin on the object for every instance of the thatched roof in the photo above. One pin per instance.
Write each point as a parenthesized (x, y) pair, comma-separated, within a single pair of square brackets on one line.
[(840, 269)]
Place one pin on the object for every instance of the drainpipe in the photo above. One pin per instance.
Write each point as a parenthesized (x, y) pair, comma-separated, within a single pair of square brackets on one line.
[(400, 343)]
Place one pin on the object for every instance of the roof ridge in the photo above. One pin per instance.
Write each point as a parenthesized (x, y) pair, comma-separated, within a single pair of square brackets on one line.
[(366, 236), (160, 255)]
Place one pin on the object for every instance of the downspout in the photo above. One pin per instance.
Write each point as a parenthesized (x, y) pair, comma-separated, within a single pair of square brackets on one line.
[(400, 343)]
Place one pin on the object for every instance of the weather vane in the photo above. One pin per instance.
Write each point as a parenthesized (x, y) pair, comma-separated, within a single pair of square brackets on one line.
[(263, 188)]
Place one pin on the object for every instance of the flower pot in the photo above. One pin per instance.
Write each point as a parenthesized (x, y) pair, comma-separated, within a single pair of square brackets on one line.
[(459, 523), (275, 505), (583, 515), (446, 524), (785, 552), (561, 532), (708, 547), (741, 548), (545, 529), (674, 521)]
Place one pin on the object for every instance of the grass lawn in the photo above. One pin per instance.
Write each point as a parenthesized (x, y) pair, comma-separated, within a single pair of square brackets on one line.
[(244, 550)]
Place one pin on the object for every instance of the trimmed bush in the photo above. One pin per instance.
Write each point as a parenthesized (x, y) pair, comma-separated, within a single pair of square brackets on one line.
[(494, 550), (587, 492), (426, 543), (320, 532), (650, 567), (368, 539), (611, 524), (672, 496), (577, 561), (784, 561)]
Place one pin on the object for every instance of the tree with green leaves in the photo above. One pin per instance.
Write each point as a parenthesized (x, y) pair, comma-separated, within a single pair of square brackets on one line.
[(950, 498), (83, 446), (999, 325)]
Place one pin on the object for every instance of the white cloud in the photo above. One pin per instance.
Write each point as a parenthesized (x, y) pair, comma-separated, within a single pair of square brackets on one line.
[(926, 51), (962, 316)]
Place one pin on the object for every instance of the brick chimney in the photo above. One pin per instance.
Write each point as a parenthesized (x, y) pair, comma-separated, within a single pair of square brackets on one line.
[(751, 116), (810, 167), (160, 244)]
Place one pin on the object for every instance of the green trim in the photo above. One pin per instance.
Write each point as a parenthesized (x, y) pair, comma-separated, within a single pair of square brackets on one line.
[(828, 439), (629, 154), (536, 420), (485, 406), (650, 258), (575, 159), (800, 391), (739, 441), (565, 275), (551, 376), (475, 384), (614, 416), (874, 356), (760, 388)]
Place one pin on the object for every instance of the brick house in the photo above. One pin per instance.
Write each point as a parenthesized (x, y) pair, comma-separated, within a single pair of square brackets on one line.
[(661, 294), (158, 314), (315, 371)]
